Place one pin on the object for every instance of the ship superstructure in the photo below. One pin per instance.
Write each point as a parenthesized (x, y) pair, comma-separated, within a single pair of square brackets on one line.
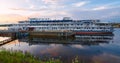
[(64, 25)]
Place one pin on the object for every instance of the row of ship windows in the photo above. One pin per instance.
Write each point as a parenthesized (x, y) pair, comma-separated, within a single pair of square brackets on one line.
[(72, 28), (55, 24), (75, 29), (49, 25)]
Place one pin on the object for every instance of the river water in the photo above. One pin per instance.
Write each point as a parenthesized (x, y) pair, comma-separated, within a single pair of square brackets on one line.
[(87, 49)]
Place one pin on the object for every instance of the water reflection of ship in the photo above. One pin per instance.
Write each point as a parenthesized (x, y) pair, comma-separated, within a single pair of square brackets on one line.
[(79, 39), (94, 38)]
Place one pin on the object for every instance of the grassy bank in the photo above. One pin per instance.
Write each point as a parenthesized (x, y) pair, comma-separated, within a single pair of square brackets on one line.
[(19, 57)]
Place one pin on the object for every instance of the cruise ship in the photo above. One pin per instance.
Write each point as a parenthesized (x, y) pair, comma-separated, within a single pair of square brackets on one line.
[(64, 25)]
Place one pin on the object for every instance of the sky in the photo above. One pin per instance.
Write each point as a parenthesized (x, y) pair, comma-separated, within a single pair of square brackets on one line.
[(12, 11)]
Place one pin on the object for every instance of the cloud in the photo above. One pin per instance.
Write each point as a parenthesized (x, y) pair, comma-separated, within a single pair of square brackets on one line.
[(106, 6), (50, 1), (22, 9), (51, 14), (100, 8), (40, 6), (32, 6), (101, 14), (29, 9), (79, 4), (11, 18), (80, 9), (53, 4), (27, 1)]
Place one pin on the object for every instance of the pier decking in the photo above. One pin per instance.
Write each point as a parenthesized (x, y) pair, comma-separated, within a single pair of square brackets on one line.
[(4, 41)]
